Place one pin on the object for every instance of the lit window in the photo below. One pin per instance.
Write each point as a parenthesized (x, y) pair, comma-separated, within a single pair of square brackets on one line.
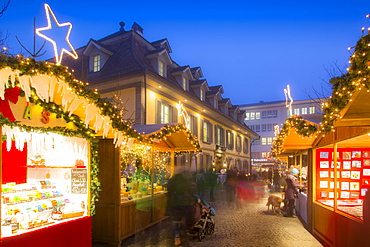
[(253, 115), (184, 83), (312, 110), (230, 140), (265, 155), (269, 140), (296, 111), (201, 96), (165, 113), (274, 113), (161, 68), (264, 141), (96, 61), (205, 131), (247, 117), (258, 115), (304, 110)]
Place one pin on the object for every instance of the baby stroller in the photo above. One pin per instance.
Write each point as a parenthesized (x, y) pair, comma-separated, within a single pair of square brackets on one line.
[(205, 224)]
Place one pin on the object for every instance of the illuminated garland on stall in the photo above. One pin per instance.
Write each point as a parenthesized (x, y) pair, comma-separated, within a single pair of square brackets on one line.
[(357, 78), (169, 130)]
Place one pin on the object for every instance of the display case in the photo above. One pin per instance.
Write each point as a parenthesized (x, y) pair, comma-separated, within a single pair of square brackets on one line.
[(44, 180), (343, 186)]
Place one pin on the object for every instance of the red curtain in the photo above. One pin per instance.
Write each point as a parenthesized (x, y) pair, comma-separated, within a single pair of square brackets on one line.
[(14, 164)]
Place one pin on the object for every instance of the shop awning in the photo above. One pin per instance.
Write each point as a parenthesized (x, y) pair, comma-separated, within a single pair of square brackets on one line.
[(173, 136)]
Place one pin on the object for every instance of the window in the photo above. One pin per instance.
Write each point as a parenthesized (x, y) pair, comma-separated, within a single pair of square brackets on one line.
[(207, 131), (264, 140), (165, 113), (246, 146), (96, 63), (269, 114), (258, 115), (265, 155), (238, 143), (274, 113), (253, 115), (201, 94), (229, 140), (269, 140), (257, 128), (296, 111), (219, 136), (160, 68), (264, 127), (184, 83), (193, 125), (247, 116), (304, 110), (269, 127), (312, 110), (264, 115)]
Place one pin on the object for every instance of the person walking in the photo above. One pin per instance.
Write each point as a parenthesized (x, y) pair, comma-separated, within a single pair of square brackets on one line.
[(211, 181), (276, 180), (180, 205), (231, 182)]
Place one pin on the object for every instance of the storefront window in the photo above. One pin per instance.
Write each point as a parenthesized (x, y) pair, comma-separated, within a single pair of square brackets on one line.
[(343, 186), (144, 172), (44, 180)]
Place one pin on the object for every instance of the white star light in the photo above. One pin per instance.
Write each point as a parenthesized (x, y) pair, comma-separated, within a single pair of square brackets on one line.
[(58, 58), (287, 103)]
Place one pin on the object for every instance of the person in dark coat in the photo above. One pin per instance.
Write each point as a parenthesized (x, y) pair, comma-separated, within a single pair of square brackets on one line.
[(276, 180), (211, 181), (291, 193), (180, 206)]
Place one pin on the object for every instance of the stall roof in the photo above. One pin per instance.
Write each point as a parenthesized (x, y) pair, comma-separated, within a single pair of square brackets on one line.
[(173, 136), (294, 142)]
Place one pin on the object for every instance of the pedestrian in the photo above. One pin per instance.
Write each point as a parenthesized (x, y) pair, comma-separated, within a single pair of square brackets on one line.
[(276, 180), (211, 181), (180, 205), (241, 190), (230, 184), (291, 192)]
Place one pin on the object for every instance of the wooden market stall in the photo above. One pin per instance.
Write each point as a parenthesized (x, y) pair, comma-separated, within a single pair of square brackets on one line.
[(135, 176), (48, 124), (339, 154)]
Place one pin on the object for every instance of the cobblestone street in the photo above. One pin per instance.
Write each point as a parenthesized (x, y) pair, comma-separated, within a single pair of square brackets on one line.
[(251, 225)]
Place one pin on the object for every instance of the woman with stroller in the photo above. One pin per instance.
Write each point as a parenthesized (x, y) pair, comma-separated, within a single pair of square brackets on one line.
[(180, 205)]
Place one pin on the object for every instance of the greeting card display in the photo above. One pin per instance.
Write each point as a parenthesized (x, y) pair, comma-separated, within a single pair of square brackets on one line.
[(366, 172), (356, 163), (324, 164), (350, 167), (346, 164), (356, 154)]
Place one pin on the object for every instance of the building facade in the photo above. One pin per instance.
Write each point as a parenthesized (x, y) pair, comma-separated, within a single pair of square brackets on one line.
[(267, 118), (141, 78)]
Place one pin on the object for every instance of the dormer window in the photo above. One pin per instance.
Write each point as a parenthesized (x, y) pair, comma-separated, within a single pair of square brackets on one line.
[(161, 68), (184, 83), (201, 95), (96, 63)]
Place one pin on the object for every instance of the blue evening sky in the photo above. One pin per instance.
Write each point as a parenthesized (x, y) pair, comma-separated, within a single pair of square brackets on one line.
[(252, 48)]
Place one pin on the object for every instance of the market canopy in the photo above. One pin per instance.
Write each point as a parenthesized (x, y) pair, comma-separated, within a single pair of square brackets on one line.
[(173, 136)]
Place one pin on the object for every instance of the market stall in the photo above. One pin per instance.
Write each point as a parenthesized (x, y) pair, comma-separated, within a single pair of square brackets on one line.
[(339, 153), (136, 175), (49, 185)]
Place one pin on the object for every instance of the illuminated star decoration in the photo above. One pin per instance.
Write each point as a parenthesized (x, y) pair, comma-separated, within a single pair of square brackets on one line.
[(58, 57), (182, 112), (288, 104)]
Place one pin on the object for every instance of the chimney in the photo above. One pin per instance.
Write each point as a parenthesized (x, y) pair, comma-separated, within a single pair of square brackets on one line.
[(122, 26), (139, 30)]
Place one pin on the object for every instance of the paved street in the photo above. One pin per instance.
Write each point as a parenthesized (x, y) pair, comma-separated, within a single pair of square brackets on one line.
[(250, 226)]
